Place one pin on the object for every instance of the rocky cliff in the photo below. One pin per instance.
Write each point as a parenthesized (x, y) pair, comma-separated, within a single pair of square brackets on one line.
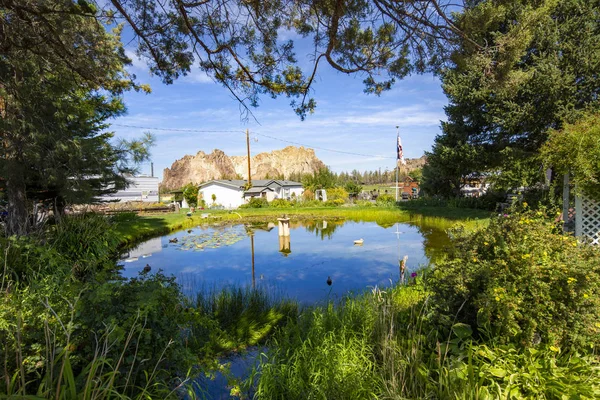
[(217, 165)]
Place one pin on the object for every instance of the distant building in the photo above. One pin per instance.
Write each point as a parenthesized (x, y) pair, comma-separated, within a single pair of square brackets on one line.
[(141, 188), (474, 185), (411, 187), (232, 193)]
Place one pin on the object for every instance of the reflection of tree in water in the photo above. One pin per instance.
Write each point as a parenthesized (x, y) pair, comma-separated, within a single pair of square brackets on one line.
[(435, 240), (324, 228)]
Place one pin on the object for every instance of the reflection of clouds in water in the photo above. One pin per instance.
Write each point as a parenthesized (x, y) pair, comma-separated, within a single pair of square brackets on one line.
[(301, 275)]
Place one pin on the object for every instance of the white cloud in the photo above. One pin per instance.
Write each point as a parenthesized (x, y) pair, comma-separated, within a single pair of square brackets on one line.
[(137, 64), (196, 75)]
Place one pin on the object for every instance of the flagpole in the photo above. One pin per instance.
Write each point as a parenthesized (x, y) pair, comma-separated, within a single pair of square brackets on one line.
[(397, 137)]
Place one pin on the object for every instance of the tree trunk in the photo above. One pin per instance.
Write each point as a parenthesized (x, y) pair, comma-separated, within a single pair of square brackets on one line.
[(17, 222)]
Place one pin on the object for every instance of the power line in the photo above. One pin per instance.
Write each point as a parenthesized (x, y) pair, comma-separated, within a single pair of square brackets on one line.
[(256, 133), (321, 148), (175, 129)]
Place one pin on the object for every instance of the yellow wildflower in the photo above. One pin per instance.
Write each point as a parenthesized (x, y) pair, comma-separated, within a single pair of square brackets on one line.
[(525, 204), (554, 349), (497, 298), (485, 243), (585, 295), (571, 280)]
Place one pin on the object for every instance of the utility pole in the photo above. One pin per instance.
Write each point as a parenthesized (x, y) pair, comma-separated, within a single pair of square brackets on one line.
[(397, 159), (248, 145)]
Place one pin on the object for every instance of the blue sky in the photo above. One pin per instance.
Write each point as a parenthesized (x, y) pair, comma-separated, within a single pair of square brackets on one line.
[(346, 119)]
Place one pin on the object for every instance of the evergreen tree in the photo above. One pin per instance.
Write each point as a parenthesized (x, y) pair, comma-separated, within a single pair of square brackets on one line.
[(61, 77)]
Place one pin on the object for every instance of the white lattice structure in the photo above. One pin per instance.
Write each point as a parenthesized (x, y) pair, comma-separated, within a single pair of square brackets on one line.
[(587, 219)]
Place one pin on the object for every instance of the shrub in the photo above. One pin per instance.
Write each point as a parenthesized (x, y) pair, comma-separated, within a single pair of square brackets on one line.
[(280, 203), (337, 193), (256, 202), (364, 203), (308, 195), (88, 242), (334, 203), (386, 199), (520, 280)]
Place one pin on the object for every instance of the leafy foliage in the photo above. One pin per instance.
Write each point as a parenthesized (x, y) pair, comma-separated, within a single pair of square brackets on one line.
[(190, 194), (238, 44), (256, 202), (539, 73), (576, 150), (321, 179), (63, 76), (521, 281)]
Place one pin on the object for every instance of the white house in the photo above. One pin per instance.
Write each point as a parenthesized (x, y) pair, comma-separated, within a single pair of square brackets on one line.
[(231, 193), (140, 188)]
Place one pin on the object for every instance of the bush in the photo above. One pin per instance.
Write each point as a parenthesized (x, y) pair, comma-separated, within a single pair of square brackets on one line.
[(521, 281), (337, 193), (334, 203), (280, 203), (88, 242), (256, 202), (386, 200), (308, 195), (364, 203)]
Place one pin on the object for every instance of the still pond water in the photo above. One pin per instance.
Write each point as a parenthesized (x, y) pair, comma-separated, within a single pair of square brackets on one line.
[(214, 256)]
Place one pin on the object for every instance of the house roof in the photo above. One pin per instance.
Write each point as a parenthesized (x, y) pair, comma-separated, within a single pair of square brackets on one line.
[(239, 183), (257, 189)]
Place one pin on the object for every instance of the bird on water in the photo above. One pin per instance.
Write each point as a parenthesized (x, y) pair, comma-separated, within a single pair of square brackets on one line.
[(329, 281)]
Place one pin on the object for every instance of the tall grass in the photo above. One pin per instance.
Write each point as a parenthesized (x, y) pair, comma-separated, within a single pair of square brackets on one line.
[(381, 345), (243, 316)]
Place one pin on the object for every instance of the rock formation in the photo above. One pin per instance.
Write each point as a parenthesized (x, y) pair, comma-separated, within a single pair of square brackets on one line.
[(217, 165)]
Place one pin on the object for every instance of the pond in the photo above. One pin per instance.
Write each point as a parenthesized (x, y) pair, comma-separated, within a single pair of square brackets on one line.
[(297, 266)]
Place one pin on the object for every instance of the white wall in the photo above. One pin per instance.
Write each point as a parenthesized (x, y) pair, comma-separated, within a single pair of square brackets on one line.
[(297, 191), (141, 188), (282, 194), (227, 197)]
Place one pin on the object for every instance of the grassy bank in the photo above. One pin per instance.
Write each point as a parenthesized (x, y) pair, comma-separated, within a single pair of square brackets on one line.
[(512, 312), (133, 229), (71, 328), (384, 344)]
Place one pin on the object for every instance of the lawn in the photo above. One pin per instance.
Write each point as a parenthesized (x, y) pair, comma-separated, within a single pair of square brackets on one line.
[(135, 228)]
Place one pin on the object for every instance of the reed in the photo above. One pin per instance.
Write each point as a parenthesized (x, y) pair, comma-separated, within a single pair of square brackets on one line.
[(242, 316)]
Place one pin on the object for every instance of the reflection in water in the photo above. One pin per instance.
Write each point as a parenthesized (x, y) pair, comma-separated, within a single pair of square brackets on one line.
[(323, 229), (144, 250), (284, 245), (252, 245), (236, 254)]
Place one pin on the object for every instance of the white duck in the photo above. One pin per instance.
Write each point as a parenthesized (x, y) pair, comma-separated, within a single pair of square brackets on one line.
[(359, 241)]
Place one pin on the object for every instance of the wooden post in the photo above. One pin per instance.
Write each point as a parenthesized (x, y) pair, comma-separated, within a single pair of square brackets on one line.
[(252, 246), (248, 146), (566, 196), (284, 226)]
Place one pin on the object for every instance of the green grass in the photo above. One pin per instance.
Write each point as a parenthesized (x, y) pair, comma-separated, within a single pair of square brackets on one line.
[(242, 316), (133, 229), (382, 345)]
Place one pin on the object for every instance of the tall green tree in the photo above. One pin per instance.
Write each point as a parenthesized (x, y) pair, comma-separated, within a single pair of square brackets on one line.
[(61, 78), (540, 70), (321, 179)]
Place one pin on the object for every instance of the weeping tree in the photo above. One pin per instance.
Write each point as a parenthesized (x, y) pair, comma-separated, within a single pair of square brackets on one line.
[(61, 78)]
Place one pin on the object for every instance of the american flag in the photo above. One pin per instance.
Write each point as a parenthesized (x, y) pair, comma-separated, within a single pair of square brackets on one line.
[(400, 153)]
